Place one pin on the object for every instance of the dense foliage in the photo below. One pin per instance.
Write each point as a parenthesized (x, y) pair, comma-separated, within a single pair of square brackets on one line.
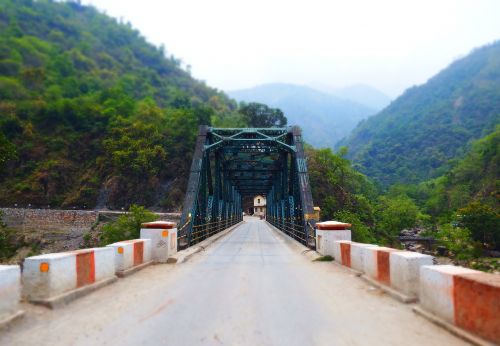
[(260, 115), (127, 226), (343, 193), (467, 196), (414, 138), (459, 208), (90, 113), (7, 248)]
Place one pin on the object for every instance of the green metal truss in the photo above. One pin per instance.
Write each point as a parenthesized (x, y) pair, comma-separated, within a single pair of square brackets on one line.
[(231, 163)]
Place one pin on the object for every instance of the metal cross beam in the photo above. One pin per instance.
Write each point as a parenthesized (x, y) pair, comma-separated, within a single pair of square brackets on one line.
[(232, 163)]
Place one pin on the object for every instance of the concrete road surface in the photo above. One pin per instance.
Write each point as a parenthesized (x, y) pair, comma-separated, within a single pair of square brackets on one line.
[(251, 287)]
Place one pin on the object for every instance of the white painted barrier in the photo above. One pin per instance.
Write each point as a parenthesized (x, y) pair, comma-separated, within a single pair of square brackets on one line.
[(467, 298), (357, 262), (45, 277), (405, 271), (377, 264), (131, 253), (10, 291), (163, 235), (342, 252), (327, 233)]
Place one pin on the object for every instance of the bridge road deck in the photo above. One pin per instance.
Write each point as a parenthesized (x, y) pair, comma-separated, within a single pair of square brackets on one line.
[(251, 287)]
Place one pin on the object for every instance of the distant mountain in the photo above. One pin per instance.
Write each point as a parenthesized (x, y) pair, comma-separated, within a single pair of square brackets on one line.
[(359, 93), (325, 119), (413, 139)]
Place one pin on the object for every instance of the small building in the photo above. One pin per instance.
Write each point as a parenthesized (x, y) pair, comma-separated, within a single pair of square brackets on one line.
[(259, 205)]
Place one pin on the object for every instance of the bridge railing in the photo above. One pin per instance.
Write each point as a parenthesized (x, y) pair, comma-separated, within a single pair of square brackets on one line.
[(203, 231), (290, 227)]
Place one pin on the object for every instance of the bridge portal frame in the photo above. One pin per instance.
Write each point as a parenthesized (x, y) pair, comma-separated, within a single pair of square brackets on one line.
[(231, 162)]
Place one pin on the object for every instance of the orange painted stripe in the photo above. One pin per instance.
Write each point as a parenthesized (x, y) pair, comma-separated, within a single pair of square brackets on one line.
[(333, 227), (477, 304), (85, 268), (383, 267), (159, 224), (345, 253), (138, 252)]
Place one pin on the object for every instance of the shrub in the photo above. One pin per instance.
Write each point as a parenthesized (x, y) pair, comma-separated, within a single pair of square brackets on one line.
[(483, 222), (360, 232), (7, 244), (459, 241), (127, 226)]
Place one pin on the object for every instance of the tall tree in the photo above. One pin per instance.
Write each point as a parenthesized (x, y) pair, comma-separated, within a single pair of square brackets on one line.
[(260, 115)]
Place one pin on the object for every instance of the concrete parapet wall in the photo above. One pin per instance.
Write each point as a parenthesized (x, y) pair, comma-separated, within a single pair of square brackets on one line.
[(405, 271), (325, 240), (357, 262), (467, 298), (391, 267), (342, 252), (131, 253), (50, 275), (377, 264), (10, 290), (163, 242)]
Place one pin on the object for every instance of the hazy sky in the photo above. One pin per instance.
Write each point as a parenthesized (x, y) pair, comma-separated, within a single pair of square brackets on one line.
[(390, 45)]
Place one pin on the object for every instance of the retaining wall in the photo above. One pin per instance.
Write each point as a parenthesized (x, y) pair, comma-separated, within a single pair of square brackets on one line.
[(48, 219)]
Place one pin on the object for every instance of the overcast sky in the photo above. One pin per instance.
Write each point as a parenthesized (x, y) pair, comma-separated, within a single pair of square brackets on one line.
[(390, 45)]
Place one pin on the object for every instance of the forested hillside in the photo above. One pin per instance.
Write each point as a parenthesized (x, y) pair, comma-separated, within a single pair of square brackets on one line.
[(324, 118), (414, 138), (90, 113), (472, 179), (460, 209)]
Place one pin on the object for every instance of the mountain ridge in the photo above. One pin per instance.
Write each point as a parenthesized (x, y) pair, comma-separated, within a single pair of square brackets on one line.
[(414, 137), (360, 93), (324, 118)]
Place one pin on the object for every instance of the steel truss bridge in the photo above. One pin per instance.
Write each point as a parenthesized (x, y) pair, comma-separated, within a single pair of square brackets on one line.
[(232, 163)]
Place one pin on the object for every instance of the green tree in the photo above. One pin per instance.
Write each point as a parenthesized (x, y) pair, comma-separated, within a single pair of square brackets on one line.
[(7, 240), (127, 226), (337, 186), (457, 240), (395, 213), (483, 223), (7, 151), (260, 115), (360, 232)]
